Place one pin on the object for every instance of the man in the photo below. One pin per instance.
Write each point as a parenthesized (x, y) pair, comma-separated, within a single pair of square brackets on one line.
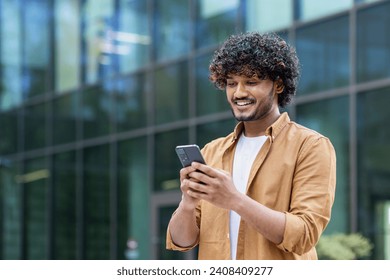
[(268, 187)]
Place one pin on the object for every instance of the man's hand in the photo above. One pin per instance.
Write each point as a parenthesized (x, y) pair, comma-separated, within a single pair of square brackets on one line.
[(217, 187), (187, 202), (213, 185)]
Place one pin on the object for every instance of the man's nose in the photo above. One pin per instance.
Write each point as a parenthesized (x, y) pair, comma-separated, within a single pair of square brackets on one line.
[(241, 91)]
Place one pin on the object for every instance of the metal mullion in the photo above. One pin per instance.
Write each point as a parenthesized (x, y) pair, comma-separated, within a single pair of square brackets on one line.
[(80, 218), (353, 197), (50, 213), (51, 68), (150, 77), (240, 20), (192, 100), (21, 142), (79, 166), (113, 193), (113, 186), (49, 90)]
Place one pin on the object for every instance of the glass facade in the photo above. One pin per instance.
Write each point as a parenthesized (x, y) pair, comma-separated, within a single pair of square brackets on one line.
[(171, 93), (261, 14), (165, 166), (308, 9), (373, 51), (172, 18), (96, 209), (64, 206), (36, 215), (323, 50), (11, 210), (95, 95), (130, 98), (67, 45), (208, 98), (373, 167), (11, 55), (215, 21), (133, 201), (36, 50)]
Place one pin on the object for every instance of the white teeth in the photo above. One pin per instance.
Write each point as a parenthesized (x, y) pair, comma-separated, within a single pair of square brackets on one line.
[(243, 103)]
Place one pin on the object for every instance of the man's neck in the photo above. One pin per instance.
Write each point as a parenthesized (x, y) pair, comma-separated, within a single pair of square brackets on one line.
[(258, 127)]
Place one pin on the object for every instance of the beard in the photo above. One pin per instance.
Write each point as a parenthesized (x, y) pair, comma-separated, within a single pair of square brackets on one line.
[(258, 113)]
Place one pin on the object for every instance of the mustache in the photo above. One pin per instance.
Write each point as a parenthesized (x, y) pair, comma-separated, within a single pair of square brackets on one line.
[(243, 99)]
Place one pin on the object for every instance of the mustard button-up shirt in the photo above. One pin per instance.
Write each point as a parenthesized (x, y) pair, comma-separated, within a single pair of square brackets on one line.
[(294, 172)]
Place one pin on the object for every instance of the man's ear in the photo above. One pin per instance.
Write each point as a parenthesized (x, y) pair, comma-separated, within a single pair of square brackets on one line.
[(279, 86)]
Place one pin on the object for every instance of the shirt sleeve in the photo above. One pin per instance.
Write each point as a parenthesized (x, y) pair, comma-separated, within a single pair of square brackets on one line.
[(312, 196), (170, 245)]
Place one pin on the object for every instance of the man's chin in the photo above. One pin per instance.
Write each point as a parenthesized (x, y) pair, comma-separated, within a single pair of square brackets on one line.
[(243, 118)]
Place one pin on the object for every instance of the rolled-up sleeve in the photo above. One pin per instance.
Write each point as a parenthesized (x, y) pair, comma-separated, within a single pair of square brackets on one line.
[(312, 196), (170, 245)]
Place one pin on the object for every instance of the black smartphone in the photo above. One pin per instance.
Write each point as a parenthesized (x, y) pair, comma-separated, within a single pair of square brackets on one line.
[(189, 153)]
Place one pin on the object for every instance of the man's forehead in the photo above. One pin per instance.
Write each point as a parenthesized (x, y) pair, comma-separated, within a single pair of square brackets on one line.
[(244, 74)]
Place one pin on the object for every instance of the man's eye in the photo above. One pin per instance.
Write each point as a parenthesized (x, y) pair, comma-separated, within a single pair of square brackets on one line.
[(230, 84), (252, 83)]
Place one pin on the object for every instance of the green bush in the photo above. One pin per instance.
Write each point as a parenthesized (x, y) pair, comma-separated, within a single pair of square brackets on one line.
[(343, 247)]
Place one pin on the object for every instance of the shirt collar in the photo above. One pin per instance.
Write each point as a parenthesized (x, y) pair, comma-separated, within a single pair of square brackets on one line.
[(272, 131)]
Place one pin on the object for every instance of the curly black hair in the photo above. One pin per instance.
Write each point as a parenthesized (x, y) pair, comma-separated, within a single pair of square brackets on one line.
[(265, 55)]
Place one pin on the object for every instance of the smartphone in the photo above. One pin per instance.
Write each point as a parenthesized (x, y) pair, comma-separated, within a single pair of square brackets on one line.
[(189, 153)]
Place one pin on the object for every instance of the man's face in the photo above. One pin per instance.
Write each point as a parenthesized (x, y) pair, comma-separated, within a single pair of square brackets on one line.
[(251, 98)]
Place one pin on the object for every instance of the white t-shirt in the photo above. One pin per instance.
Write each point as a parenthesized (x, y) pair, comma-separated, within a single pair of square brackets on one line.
[(245, 154)]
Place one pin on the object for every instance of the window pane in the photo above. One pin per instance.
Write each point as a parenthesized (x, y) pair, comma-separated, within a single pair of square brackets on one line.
[(67, 40), (331, 118), (216, 20), (99, 48), (97, 199), (1, 211), (96, 109), (11, 202), (133, 204), (65, 110), (131, 101), (10, 55), (209, 98), (261, 15), (373, 166), (171, 89), (210, 131), (323, 50), (9, 132), (133, 38), (65, 199), (35, 180), (309, 9), (35, 127), (172, 28), (373, 43), (167, 165), (36, 47)]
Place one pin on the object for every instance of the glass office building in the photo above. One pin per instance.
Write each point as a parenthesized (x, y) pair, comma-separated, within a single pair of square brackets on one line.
[(95, 95)]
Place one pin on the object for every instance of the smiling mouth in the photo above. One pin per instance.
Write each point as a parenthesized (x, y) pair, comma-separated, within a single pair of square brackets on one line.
[(243, 102)]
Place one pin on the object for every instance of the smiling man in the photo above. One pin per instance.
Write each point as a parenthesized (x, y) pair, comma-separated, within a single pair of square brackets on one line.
[(268, 187)]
